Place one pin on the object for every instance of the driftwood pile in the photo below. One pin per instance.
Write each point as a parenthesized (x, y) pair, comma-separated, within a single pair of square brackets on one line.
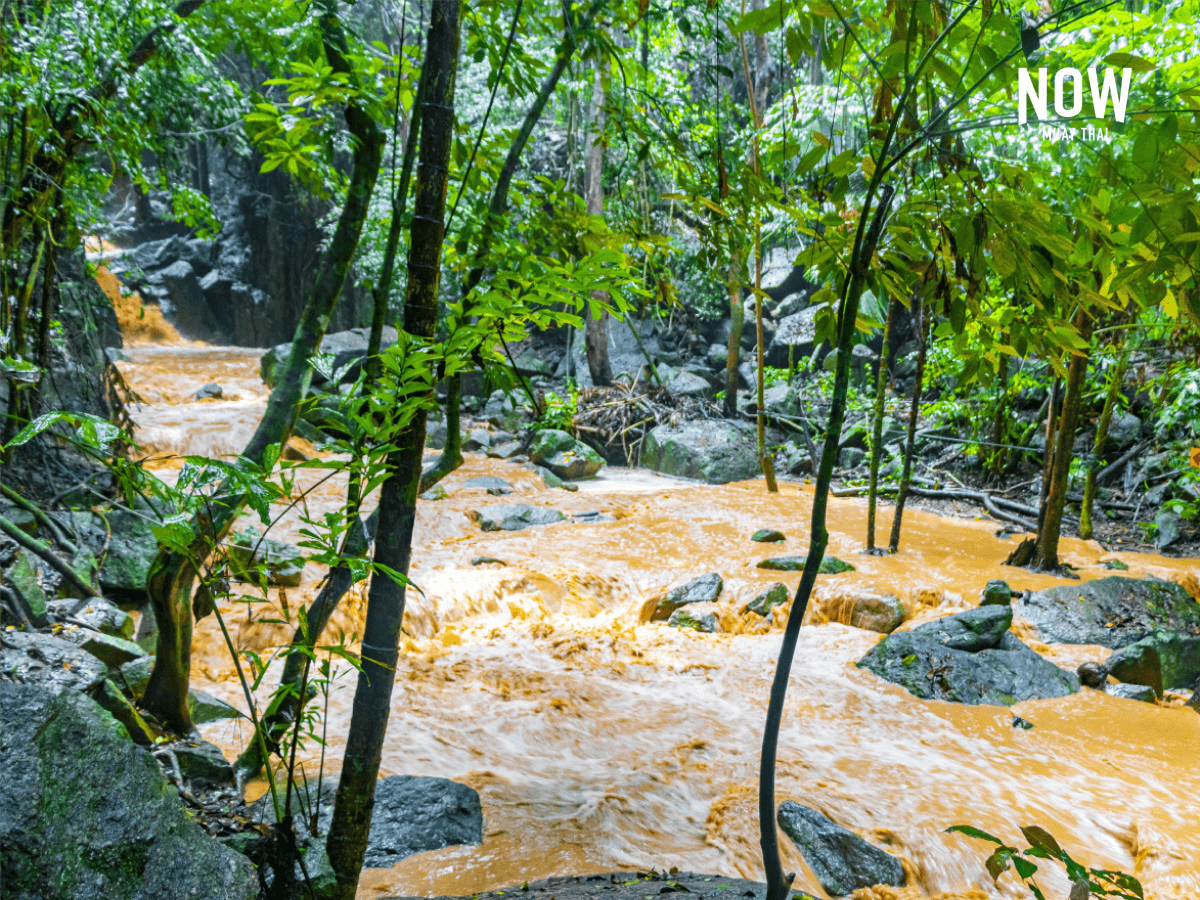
[(615, 420)]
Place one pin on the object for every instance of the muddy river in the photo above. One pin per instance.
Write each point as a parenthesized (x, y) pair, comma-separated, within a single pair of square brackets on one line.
[(598, 742)]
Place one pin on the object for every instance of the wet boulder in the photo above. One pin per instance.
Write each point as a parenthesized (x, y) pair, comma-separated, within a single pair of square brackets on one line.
[(565, 456), (830, 565), (996, 593), (550, 480), (698, 617), (705, 589), (689, 384), (497, 487), (88, 815), (513, 517), (872, 612), (22, 580), (100, 615), (969, 658), (1112, 612), (1140, 692), (412, 814), (711, 450), (53, 663), (775, 595), (1162, 660), (476, 439), (842, 861)]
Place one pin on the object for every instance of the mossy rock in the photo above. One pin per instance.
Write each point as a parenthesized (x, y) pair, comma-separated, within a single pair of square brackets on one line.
[(830, 565)]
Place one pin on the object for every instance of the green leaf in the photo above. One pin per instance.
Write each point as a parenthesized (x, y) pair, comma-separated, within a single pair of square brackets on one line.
[(1024, 867), (972, 831), (997, 863), (1129, 61), (1041, 839)]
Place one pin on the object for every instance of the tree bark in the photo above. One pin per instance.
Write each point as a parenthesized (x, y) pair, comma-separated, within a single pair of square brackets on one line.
[(596, 335), (173, 573), (914, 413), (737, 320), (1046, 556), (881, 380), (353, 805), (1110, 404)]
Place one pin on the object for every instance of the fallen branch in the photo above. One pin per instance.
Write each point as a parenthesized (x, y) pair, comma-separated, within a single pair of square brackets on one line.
[(1108, 473), (42, 518), (986, 500), (43, 549)]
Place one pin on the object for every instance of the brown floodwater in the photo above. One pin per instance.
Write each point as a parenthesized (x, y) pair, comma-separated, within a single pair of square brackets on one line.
[(598, 741)]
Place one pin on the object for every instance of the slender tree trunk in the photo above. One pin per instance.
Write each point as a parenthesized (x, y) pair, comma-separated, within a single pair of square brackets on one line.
[(914, 413), (173, 573), (881, 380), (1046, 556), (1116, 377), (999, 455), (737, 319), (355, 798), (596, 334), (1052, 418), (864, 249)]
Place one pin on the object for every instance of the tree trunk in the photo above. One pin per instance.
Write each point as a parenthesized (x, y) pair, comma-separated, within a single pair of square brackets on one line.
[(881, 380), (596, 336), (777, 884), (914, 413), (737, 318), (347, 841), (173, 573), (1110, 403), (999, 455), (1046, 556)]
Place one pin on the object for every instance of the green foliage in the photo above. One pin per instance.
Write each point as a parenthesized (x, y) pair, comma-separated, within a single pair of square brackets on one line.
[(1042, 845), (558, 413)]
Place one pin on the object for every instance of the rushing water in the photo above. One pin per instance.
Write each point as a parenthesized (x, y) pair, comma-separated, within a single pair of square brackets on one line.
[(598, 742)]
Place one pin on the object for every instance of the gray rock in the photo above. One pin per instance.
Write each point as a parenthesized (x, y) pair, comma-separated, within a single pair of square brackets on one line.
[(1123, 430), (711, 450), (106, 618), (87, 815), (284, 562), (705, 589), (513, 517), (996, 593), (1162, 660), (774, 595), (435, 434), (781, 399), (698, 618), (131, 544), (851, 457), (968, 658), (1141, 692), (1093, 675), (411, 815), (688, 384), (1166, 522), (1112, 612), (437, 492), (506, 450), (883, 614), (206, 708), (477, 439), (497, 487), (202, 763), (564, 455), (717, 355), (114, 652), (842, 861), (191, 313), (53, 663), (210, 391)]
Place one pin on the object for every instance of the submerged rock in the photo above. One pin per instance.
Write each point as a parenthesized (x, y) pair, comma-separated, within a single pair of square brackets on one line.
[(88, 815), (830, 565), (565, 456), (705, 589), (842, 861), (969, 658), (1113, 612), (1162, 660), (872, 612), (1139, 692), (699, 617), (714, 451), (513, 517), (497, 487), (768, 536), (775, 595)]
